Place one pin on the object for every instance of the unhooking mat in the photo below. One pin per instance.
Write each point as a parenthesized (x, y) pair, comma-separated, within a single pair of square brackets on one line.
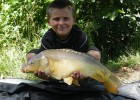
[(47, 90)]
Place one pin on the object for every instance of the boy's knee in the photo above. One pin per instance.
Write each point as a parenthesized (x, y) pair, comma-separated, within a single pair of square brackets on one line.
[(29, 56), (32, 53), (95, 54)]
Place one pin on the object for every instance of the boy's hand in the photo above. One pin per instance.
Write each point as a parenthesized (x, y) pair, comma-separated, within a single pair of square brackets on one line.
[(42, 75), (77, 75)]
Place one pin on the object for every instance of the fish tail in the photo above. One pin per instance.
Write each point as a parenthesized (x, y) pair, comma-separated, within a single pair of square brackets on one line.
[(112, 84)]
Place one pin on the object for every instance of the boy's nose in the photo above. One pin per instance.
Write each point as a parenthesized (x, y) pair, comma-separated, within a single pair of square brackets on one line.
[(61, 22)]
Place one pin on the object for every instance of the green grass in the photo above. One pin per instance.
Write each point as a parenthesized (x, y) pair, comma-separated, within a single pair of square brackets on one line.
[(124, 61), (11, 61)]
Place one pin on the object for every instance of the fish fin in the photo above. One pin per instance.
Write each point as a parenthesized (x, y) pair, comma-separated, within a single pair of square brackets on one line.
[(76, 82), (98, 77), (112, 84), (68, 80)]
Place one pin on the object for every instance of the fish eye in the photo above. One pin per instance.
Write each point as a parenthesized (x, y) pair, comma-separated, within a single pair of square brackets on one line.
[(31, 62)]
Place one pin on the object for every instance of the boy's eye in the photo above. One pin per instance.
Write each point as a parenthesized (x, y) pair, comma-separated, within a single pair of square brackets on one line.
[(66, 18), (56, 19)]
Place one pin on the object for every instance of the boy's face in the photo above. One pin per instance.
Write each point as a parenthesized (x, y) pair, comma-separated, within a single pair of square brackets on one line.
[(61, 21)]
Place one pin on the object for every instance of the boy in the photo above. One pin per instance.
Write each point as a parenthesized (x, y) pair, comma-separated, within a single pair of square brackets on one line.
[(63, 33)]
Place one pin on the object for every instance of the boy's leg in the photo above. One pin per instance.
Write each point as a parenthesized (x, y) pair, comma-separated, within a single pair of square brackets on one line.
[(96, 54)]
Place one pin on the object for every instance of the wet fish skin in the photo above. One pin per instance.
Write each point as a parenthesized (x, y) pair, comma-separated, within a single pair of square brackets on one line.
[(61, 63)]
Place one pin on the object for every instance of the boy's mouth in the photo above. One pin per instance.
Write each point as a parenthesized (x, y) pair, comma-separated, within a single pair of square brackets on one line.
[(62, 28)]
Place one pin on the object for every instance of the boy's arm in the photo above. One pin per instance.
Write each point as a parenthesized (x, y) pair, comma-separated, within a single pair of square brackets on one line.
[(93, 51), (83, 46)]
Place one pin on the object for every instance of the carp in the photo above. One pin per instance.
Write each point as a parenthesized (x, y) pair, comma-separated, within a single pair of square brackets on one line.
[(61, 63)]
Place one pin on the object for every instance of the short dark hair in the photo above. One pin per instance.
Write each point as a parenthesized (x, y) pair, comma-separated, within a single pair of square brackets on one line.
[(60, 4)]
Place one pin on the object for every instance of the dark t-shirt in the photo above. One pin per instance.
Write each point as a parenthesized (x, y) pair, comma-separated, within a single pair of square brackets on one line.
[(77, 40)]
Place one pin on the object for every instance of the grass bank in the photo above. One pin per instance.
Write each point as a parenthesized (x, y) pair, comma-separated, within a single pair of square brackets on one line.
[(124, 61), (12, 58)]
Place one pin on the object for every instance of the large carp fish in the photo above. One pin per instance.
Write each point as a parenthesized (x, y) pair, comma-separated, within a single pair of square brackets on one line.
[(61, 63)]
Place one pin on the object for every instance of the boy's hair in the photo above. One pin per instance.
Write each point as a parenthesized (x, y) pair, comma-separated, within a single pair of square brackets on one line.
[(60, 4)]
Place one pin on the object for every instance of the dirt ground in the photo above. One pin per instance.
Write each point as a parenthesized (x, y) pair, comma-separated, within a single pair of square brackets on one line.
[(128, 75)]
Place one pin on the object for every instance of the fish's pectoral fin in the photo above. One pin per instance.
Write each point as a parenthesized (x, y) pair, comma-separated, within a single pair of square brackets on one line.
[(76, 82), (68, 80)]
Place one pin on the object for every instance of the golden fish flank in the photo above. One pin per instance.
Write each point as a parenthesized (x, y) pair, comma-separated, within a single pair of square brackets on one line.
[(61, 63)]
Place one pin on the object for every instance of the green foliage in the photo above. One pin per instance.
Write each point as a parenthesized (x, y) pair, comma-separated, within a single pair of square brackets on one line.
[(12, 58), (113, 25), (22, 23), (124, 61), (23, 18)]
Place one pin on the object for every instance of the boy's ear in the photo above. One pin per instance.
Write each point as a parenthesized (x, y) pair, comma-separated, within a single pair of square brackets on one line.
[(74, 20), (48, 21)]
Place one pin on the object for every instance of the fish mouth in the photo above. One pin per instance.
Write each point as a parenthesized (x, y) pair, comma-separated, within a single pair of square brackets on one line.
[(24, 68)]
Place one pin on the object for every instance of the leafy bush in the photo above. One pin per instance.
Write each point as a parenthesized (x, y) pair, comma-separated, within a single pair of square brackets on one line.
[(112, 25)]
